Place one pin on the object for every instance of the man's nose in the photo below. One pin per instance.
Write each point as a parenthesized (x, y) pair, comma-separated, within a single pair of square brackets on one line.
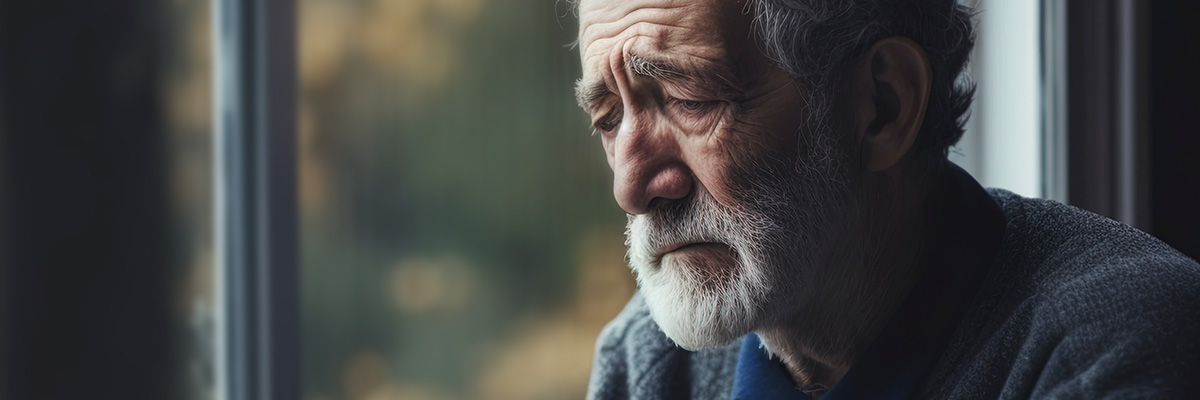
[(648, 166)]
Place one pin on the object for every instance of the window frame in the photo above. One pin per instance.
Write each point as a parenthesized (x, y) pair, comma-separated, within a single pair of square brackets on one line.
[(258, 346)]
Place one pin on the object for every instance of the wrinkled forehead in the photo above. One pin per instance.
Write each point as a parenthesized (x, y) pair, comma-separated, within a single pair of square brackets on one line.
[(699, 28)]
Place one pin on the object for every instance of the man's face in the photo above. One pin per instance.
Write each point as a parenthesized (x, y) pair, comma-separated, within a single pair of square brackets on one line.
[(733, 192)]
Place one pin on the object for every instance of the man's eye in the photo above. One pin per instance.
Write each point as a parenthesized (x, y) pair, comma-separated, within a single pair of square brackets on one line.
[(608, 122), (694, 106)]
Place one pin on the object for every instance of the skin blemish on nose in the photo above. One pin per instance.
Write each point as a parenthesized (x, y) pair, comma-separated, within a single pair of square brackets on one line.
[(673, 182)]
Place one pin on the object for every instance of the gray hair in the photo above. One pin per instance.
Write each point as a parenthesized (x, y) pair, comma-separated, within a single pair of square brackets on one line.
[(815, 41)]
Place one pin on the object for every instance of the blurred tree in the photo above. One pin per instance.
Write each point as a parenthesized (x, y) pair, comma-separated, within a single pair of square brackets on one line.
[(449, 185)]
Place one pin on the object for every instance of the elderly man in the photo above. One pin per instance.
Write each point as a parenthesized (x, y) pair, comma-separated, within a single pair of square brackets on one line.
[(796, 230)]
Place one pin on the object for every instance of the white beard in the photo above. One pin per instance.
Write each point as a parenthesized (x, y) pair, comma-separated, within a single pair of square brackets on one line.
[(778, 241), (695, 310)]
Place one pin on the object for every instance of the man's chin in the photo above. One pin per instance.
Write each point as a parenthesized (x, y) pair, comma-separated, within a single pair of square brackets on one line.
[(695, 325), (697, 310)]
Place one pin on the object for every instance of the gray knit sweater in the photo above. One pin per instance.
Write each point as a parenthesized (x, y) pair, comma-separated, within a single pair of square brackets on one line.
[(1076, 306)]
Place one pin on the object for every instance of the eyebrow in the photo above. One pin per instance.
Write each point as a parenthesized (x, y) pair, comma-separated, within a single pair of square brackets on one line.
[(587, 94), (709, 78)]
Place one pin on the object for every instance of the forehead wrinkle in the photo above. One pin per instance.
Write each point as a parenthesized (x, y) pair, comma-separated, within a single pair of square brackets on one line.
[(643, 30), (635, 14)]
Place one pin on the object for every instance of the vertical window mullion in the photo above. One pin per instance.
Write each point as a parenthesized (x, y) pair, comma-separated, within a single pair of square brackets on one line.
[(258, 341), (1054, 98)]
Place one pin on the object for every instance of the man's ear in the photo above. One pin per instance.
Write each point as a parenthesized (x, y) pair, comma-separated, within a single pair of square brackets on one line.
[(892, 87)]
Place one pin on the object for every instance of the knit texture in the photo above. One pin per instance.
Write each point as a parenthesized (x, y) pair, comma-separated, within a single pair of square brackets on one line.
[(1076, 306)]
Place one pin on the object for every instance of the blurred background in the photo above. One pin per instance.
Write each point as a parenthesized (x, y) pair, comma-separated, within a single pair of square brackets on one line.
[(458, 237), (454, 232)]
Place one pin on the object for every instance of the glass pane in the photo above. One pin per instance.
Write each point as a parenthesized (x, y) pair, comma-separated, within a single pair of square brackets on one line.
[(188, 108), (459, 239), (1003, 143)]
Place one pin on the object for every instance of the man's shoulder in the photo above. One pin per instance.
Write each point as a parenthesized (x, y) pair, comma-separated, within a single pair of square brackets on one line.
[(634, 359), (1063, 252), (1083, 305)]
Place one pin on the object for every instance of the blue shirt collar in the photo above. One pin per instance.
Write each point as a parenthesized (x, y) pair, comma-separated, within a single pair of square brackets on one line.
[(759, 377), (964, 229)]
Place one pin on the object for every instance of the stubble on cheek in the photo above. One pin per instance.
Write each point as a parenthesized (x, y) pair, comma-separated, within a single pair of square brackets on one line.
[(753, 151)]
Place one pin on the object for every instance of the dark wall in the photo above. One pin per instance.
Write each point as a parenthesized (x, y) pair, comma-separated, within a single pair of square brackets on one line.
[(1093, 106), (1175, 123), (87, 288), (1158, 190)]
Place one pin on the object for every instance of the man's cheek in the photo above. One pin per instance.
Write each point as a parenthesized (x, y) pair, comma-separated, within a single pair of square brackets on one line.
[(715, 169), (752, 141)]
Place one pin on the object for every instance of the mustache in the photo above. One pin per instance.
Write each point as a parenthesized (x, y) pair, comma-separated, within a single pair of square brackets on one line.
[(680, 223), (700, 218), (674, 223)]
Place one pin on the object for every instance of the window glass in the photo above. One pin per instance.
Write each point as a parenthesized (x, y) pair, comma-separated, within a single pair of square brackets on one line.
[(1003, 143), (187, 107), (459, 238)]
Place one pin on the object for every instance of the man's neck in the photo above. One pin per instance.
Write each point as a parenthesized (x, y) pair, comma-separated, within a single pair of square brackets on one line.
[(870, 277)]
